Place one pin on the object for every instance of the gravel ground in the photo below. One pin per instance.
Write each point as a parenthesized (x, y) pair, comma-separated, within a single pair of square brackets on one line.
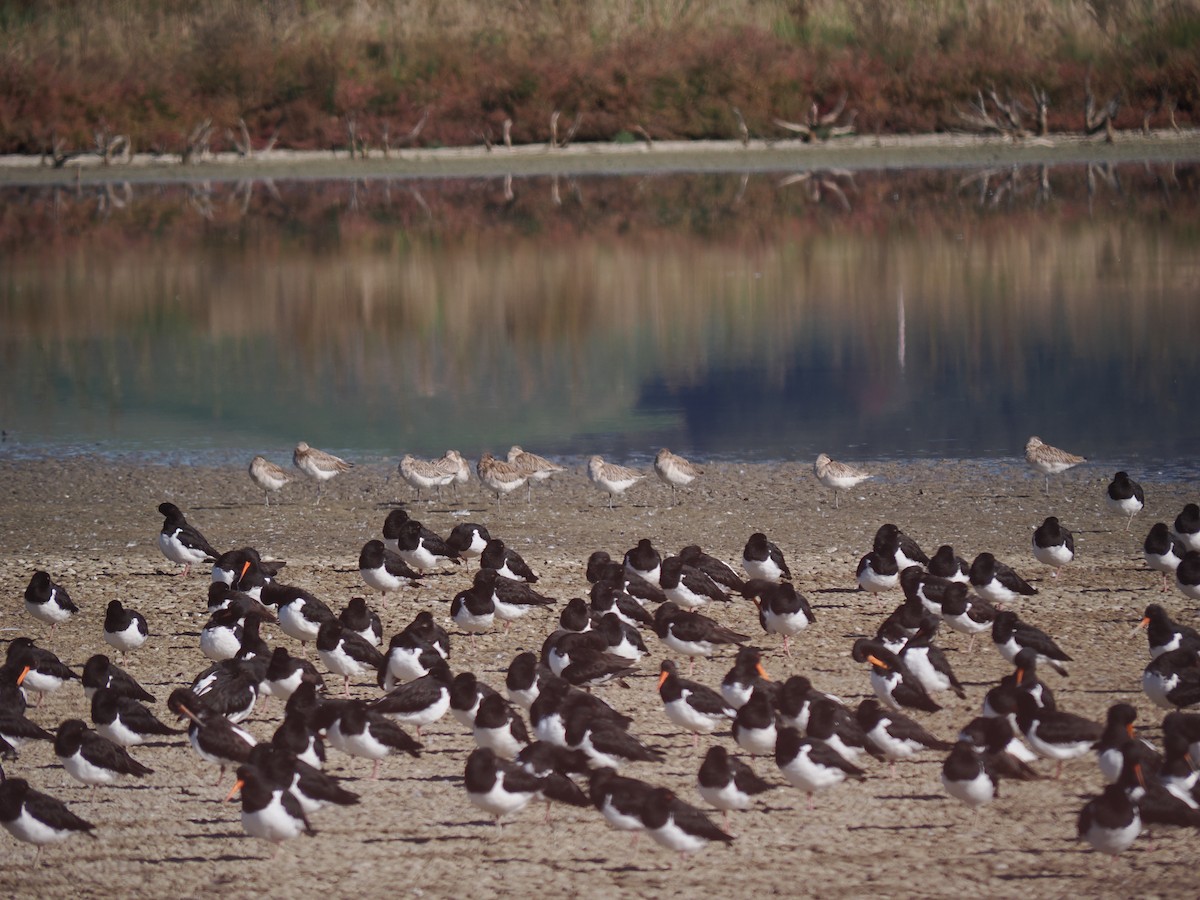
[(93, 524)]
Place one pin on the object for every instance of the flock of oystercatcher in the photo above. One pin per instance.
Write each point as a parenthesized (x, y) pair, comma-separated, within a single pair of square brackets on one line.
[(551, 735)]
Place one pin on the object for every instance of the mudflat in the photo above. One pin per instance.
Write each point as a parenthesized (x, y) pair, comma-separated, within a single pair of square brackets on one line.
[(92, 523)]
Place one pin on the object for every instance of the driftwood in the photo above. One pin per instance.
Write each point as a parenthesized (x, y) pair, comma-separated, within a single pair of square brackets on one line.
[(244, 145), (196, 147), (818, 126), (404, 140), (1096, 118), (555, 142)]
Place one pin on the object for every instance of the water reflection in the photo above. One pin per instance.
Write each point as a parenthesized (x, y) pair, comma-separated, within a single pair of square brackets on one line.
[(887, 314)]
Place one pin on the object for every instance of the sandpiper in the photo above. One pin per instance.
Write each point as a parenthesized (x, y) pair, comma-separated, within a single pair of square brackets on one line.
[(535, 468), (424, 474), (268, 476), (499, 476), (611, 478), (318, 464), (1049, 460), (838, 476), (453, 462), (675, 470)]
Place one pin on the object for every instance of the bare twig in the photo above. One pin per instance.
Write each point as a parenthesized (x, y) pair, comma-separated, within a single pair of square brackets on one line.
[(743, 131), (196, 146)]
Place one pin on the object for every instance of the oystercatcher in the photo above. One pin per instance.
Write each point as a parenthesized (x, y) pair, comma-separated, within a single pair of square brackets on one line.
[(506, 561), (499, 727), (811, 765), (727, 783), (124, 721), (36, 818), (93, 759), (511, 599), (38, 669), (466, 693), (1125, 497), (720, 572), (889, 538), (688, 586), (300, 614), (945, 564), (1053, 544), (214, 738), (1110, 822), (1187, 526), (746, 674), (763, 559), (1163, 552), (1011, 636), (362, 620), (422, 549), (1187, 575), (1165, 634), (890, 678), (180, 542), (893, 735), (270, 812), (347, 653), (1055, 734), (677, 825), (419, 702), (384, 570), (497, 786), (997, 582), (356, 730), (692, 634), (468, 539), (99, 671), (644, 561), (48, 602), (691, 705), (754, 728), (968, 778), (1172, 679), (781, 609)]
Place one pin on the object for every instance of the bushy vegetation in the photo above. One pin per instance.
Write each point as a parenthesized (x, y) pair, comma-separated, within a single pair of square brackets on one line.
[(303, 70)]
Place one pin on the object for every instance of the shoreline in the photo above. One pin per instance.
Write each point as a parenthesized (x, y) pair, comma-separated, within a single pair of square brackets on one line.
[(848, 153)]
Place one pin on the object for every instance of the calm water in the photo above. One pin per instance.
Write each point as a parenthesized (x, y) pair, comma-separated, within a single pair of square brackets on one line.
[(921, 314)]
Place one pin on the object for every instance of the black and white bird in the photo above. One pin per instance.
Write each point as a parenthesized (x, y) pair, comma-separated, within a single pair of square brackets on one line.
[(966, 613), (754, 726), (894, 735), (968, 778), (692, 706), (300, 613), (946, 564), (1165, 634), (47, 601), (1110, 822), (890, 539), (877, 572), (1125, 497), (180, 542), (522, 681), (1054, 733), (795, 701), (677, 825), (497, 786), (692, 634), (1163, 552), (468, 540), (1187, 526), (270, 811), (583, 659), (99, 671), (727, 783), (763, 559), (998, 582), (644, 561), (37, 669), (307, 783), (221, 635), (214, 738), (811, 765), (499, 727), (831, 722), (1011, 636), (383, 569), (1172, 680), (92, 759), (511, 599), (347, 653), (356, 730), (891, 680), (746, 674), (466, 693), (621, 638), (720, 572), (124, 629), (782, 609), (506, 561), (125, 721), (1053, 544), (687, 586), (34, 817), (362, 620), (419, 702), (619, 799), (1187, 576), (605, 742), (928, 664), (421, 549), (408, 658)]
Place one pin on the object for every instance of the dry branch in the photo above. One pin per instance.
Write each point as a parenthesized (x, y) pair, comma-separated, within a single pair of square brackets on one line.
[(197, 144), (818, 126)]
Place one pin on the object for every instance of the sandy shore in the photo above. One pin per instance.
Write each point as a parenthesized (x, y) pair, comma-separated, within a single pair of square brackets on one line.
[(93, 526), (849, 153)]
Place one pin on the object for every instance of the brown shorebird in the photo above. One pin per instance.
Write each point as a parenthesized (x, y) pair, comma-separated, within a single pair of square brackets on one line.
[(268, 476), (612, 478), (838, 476), (318, 464), (537, 468), (675, 470), (499, 476), (1049, 460)]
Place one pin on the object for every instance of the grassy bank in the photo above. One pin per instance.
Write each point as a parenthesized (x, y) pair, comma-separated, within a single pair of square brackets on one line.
[(319, 75)]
